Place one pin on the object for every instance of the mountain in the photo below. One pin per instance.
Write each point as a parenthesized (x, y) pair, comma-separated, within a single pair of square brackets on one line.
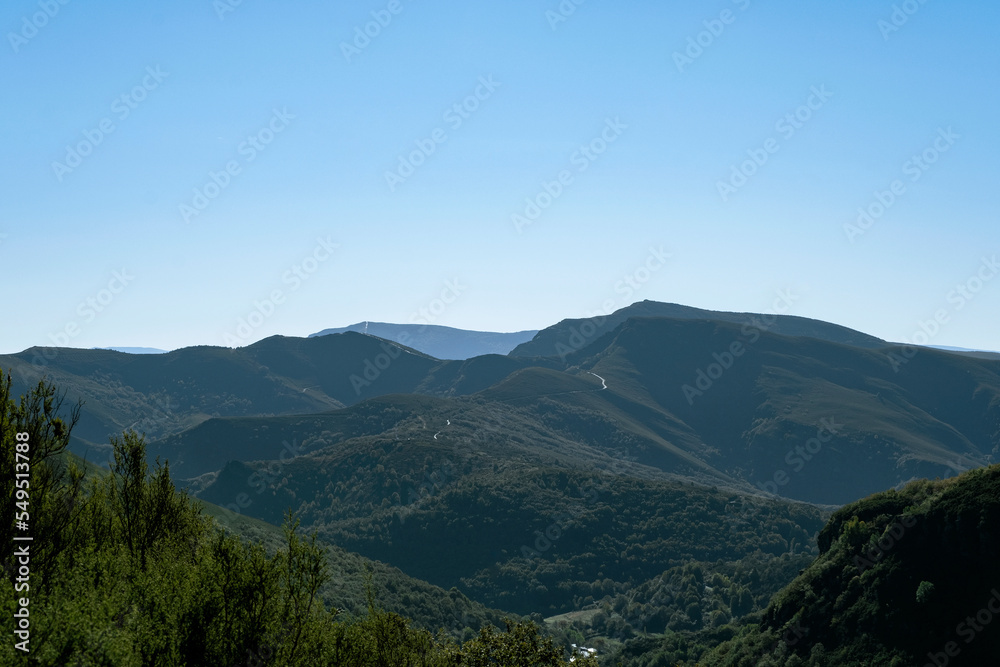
[(711, 401), (134, 573), (571, 335), (982, 354), (508, 525), (497, 473), (165, 394), (654, 482), (438, 341), (908, 577), (134, 350), (432, 608), (802, 417)]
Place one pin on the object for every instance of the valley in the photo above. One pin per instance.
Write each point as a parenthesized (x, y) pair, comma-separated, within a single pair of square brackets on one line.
[(659, 480)]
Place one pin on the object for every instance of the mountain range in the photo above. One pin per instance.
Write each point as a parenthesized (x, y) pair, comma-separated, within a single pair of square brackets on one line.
[(661, 469)]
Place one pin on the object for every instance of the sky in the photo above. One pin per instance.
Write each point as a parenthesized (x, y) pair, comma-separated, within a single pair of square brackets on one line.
[(214, 173)]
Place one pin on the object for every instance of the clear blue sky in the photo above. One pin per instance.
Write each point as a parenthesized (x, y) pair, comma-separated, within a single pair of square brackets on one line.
[(337, 120)]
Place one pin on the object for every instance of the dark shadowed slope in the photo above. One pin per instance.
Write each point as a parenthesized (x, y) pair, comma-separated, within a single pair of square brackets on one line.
[(574, 334)]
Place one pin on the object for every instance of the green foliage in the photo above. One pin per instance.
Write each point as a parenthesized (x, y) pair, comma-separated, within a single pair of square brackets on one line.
[(132, 573), (521, 645), (54, 486), (868, 599)]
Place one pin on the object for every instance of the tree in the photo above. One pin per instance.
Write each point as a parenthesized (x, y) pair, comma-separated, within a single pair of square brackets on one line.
[(49, 497), (925, 592)]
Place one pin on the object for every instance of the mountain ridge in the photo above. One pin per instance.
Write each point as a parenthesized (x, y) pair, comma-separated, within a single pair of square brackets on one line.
[(439, 341)]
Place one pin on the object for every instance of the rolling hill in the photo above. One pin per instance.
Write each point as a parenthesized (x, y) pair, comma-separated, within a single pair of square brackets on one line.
[(599, 474), (165, 394)]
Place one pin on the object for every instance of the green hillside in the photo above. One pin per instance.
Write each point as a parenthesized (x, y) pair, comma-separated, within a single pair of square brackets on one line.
[(712, 401), (493, 480), (795, 416), (431, 607), (908, 577), (654, 491), (122, 569)]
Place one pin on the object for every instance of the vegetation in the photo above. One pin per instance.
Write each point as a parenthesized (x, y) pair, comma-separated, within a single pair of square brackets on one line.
[(905, 577), (514, 533), (901, 420), (585, 490), (126, 570)]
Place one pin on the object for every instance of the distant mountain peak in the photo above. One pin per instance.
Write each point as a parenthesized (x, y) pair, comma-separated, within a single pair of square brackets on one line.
[(439, 341)]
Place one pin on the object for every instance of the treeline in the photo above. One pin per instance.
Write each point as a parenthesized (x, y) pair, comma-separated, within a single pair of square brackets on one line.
[(126, 570)]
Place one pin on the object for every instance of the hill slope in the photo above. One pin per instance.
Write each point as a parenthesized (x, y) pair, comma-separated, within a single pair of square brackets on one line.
[(165, 394), (805, 418), (438, 341), (904, 578), (574, 334)]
